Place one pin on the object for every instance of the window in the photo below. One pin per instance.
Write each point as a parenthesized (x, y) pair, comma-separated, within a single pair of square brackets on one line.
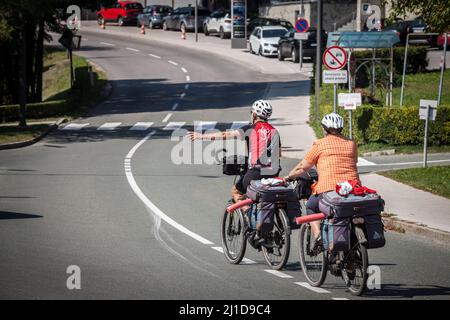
[(274, 33), (130, 6)]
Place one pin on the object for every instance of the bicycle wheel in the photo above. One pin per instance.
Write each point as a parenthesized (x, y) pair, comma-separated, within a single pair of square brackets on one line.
[(354, 271), (233, 236), (314, 263), (278, 242)]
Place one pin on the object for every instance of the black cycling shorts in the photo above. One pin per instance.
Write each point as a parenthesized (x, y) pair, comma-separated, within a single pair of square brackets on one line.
[(251, 174)]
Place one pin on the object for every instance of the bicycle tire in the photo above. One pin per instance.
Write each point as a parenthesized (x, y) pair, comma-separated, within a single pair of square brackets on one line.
[(237, 231), (281, 222), (357, 290), (304, 247)]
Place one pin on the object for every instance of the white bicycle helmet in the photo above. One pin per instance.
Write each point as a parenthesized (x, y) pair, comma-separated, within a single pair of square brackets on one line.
[(262, 108), (333, 121)]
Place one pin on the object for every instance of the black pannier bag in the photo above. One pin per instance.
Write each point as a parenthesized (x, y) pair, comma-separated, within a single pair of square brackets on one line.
[(335, 205), (336, 234), (234, 165), (374, 231), (369, 206), (305, 182), (267, 198)]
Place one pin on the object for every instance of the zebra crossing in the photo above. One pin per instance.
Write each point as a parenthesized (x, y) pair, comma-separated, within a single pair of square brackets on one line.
[(145, 126)]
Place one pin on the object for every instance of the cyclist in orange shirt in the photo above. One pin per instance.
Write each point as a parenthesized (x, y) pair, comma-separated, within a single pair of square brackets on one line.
[(335, 158)]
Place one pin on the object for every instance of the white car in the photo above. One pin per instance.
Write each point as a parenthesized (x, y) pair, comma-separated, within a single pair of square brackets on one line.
[(264, 40), (219, 22)]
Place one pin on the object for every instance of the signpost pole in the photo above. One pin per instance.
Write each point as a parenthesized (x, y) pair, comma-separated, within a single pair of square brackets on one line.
[(391, 76), (443, 66), (334, 97), (350, 124), (301, 55), (71, 68), (425, 138), (318, 57), (196, 17), (404, 70)]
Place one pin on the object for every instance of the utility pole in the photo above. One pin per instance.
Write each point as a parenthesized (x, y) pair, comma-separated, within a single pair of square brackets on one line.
[(318, 56)]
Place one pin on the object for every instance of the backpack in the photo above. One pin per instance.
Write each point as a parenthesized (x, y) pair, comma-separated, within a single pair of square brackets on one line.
[(304, 183)]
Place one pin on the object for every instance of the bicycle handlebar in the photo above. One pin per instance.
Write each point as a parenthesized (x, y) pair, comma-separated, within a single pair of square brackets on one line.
[(239, 204)]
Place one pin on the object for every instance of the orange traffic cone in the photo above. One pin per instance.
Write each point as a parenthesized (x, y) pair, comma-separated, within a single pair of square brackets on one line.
[(142, 29), (183, 33)]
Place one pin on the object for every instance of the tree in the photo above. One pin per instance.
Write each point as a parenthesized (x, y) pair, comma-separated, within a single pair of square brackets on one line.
[(436, 13)]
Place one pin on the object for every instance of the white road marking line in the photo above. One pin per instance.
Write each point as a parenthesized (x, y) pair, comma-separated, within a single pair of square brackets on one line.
[(309, 287), (108, 126), (85, 39), (238, 124), (182, 95), (175, 106), (141, 126), (167, 118), (184, 70), (204, 125), (172, 62), (278, 273), (340, 299), (174, 125), (132, 49), (186, 86), (151, 205), (188, 78), (154, 56), (75, 126), (244, 260), (108, 44), (364, 162)]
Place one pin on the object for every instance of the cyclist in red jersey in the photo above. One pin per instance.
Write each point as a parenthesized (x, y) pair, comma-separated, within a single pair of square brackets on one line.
[(263, 145)]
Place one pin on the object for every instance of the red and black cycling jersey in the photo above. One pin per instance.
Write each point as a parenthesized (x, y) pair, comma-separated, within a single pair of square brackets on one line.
[(263, 145)]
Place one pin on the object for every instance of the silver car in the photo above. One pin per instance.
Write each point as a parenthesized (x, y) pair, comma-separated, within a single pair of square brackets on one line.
[(153, 16)]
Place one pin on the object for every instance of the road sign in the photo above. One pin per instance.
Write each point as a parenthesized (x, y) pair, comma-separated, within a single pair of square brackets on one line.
[(301, 25), (334, 76), (349, 100), (428, 107), (335, 58), (301, 36)]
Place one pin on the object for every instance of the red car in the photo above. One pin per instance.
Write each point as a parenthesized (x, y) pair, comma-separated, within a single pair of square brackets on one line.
[(441, 40), (123, 12)]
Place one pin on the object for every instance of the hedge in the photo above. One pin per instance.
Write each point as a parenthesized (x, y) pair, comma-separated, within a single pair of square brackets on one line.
[(46, 109), (394, 125)]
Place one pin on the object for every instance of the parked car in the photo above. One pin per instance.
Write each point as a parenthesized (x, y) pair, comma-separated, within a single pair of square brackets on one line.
[(404, 27), (260, 22), (264, 40), (289, 47), (123, 12), (153, 16), (441, 40), (219, 22), (185, 17)]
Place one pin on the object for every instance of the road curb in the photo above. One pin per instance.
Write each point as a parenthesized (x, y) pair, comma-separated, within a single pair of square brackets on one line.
[(21, 144), (407, 227)]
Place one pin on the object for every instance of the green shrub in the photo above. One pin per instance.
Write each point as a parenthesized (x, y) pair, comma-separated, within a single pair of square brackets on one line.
[(396, 126), (46, 109)]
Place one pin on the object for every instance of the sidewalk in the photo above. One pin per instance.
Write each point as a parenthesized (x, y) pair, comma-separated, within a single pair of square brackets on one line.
[(416, 211)]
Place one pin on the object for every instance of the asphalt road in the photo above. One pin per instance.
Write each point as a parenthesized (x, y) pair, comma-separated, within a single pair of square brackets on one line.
[(114, 203)]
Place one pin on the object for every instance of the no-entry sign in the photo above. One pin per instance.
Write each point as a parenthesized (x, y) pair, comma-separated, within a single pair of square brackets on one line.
[(301, 25), (335, 58)]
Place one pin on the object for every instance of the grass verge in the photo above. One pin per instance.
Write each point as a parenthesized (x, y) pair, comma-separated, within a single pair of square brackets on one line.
[(431, 179), (10, 134), (59, 98)]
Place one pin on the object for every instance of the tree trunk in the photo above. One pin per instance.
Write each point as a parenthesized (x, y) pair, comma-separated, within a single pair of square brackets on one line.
[(30, 35), (39, 63), (22, 72)]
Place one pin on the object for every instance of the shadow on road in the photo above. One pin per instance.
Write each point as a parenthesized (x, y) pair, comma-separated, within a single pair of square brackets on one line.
[(401, 291), (7, 215)]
